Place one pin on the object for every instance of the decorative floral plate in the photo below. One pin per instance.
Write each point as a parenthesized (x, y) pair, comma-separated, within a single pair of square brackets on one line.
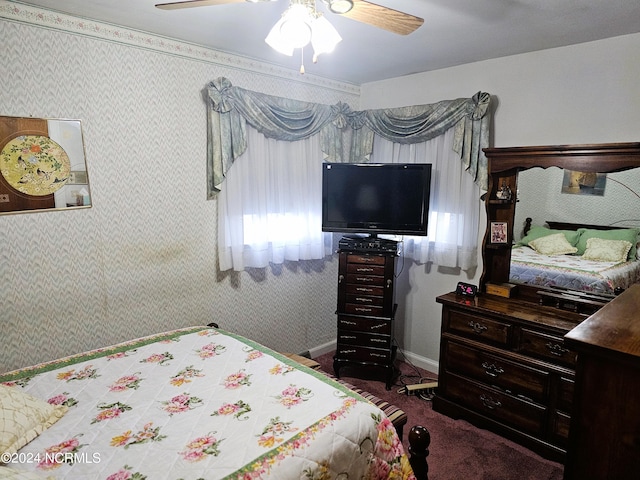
[(34, 164)]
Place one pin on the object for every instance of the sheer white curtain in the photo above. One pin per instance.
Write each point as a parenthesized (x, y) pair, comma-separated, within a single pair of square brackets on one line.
[(454, 203), (270, 207)]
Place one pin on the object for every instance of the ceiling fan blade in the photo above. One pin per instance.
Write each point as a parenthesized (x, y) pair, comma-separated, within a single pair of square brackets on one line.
[(383, 17), (195, 3)]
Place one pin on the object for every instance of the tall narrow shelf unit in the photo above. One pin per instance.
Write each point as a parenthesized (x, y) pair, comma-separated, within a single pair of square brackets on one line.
[(366, 311)]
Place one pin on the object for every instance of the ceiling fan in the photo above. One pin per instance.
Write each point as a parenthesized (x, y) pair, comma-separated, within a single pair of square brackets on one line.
[(359, 10)]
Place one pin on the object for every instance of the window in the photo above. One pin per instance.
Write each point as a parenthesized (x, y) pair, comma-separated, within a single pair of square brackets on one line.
[(270, 206)]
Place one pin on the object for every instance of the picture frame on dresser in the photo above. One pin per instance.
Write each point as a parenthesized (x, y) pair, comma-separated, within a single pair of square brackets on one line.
[(499, 232)]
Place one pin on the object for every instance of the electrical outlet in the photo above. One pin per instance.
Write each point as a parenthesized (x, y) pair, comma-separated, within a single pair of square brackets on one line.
[(4, 198)]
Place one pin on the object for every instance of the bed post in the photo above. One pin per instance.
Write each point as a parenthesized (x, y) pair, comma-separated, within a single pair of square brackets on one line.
[(419, 441)]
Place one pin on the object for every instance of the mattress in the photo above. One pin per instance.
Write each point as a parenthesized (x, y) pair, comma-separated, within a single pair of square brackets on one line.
[(571, 271), (202, 403)]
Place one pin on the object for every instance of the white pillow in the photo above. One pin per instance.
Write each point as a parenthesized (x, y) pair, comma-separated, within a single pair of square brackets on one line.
[(556, 244), (603, 250), (23, 418)]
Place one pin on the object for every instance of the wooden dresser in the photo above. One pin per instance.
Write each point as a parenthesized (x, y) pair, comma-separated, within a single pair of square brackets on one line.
[(366, 311), (504, 366), (504, 362), (604, 442)]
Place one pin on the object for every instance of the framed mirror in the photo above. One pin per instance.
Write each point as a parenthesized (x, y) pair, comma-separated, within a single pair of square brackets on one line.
[(543, 196), (604, 210), (42, 165)]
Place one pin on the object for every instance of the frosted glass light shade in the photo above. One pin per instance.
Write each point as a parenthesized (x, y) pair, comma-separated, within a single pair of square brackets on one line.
[(276, 41), (324, 36)]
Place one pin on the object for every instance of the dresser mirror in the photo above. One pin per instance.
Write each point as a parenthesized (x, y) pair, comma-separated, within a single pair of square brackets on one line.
[(544, 182), (541, 197)]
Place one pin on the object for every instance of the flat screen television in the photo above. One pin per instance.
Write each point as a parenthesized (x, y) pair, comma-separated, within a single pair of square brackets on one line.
[(376, 198)]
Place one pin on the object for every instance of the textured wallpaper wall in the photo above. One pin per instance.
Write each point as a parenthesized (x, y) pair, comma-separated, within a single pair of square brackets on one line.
[(143, 258)]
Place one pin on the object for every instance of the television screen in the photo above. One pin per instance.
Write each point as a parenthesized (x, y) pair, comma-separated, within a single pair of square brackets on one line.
[(373, 198)]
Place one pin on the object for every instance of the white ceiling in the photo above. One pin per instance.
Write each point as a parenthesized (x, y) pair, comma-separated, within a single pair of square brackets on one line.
[(454, 31)]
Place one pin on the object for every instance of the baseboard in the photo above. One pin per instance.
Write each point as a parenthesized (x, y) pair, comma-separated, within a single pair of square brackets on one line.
[(422, 362), (322, 349), (418, 360)]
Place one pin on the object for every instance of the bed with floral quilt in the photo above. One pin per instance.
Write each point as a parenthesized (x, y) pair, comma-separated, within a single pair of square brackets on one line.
[(193, 403)]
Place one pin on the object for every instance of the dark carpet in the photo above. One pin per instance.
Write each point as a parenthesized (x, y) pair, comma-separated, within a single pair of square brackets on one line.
[(458, 451)]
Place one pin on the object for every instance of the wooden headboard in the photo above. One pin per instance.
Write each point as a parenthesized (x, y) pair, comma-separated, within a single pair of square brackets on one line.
[(570, 226)]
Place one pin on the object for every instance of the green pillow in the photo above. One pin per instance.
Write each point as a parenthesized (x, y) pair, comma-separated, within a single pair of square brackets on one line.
[(628, 234), (536, 232)]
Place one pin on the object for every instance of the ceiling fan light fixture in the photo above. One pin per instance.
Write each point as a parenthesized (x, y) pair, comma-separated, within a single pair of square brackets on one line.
[(299, 25), (340, 6)]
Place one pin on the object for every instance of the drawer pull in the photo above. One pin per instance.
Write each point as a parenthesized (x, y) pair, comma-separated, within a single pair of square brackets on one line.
[(489, 402), (350, 337), (365, 279), (378, 340), (478, 327), (347, 351), (380, 325), (378, 355), (364, 289), (365, 269), (491, 369), (364, 309), (346, 322), (556, 349)]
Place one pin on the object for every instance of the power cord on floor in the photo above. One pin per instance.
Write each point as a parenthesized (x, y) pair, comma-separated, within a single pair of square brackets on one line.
[(416, 385)]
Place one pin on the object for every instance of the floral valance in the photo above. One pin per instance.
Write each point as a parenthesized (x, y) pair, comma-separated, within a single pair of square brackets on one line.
[(230, 109)]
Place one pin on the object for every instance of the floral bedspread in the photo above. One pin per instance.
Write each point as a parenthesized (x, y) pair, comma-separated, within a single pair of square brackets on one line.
[(571, 271), (201, 403)]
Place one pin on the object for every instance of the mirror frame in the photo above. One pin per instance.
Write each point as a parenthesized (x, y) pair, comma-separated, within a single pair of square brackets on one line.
[(503, 167)]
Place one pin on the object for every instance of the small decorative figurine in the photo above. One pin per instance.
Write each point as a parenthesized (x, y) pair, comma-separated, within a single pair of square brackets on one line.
[(504, 193)]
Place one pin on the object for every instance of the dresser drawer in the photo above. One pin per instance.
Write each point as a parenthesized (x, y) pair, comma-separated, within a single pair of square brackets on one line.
[(545, 346), (354, 278), (515, 378), (365, 300), (518, 413), (560, 428), (362, 324), (364, 339), (565, 394), (356, 309), (361, 269), (369, 289), (352, 352), (366, 259), (479, 328)]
